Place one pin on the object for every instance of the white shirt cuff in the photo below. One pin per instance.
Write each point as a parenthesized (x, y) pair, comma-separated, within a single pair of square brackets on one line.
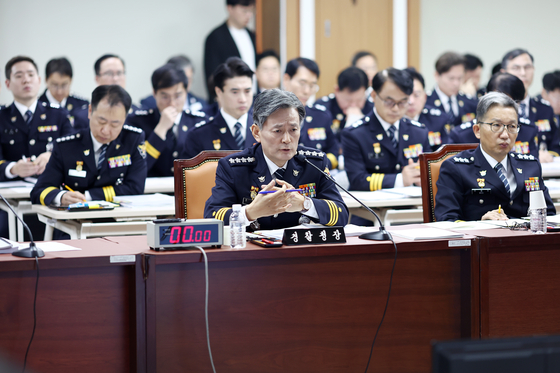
[(246, 222), (9, 169), (58, 199), (312, 213), (88, 196), (399, 181)]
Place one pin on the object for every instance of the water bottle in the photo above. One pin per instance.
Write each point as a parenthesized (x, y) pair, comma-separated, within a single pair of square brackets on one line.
[(237, 229), (537, 206)]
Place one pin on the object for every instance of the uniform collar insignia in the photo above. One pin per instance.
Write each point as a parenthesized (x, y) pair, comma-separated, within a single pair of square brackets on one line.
[(262, 179), (14, 119), (86, 152), (43, 116), (309, 119), (223, 130), (379, 136), (405, 137), (296, 172), (520, 170), (117, 146), (483, 173), (339, 116)]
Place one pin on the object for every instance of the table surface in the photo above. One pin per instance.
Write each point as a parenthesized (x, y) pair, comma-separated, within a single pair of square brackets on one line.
[(117, 212)]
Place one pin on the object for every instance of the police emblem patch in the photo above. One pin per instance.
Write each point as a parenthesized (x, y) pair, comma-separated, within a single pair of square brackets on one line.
[(223, 130), (483, 173), (480, 183), (217, 144), (141, 150)]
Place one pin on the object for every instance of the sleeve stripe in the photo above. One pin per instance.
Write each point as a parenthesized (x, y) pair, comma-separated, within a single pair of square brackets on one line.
[(109, 193), (222, 213), (44, 193), (333, 212), (375, 181), (153, 152), (333, 159)]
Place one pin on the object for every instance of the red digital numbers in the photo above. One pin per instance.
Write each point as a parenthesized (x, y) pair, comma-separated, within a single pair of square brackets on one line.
[(184, 234)]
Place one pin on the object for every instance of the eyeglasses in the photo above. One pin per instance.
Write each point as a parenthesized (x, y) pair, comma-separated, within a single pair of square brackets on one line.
[(499, 127), (517, 68), (112, 74), (56, 87), (389, 103), (313, 87)]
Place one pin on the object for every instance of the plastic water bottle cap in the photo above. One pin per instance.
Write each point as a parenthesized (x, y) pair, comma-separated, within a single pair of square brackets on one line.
[(536, 200), (236, 207)]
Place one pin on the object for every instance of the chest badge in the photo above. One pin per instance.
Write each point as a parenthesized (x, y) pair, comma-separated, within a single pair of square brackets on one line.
[(377, 148), (534, 109), (86, 152), (480, 182), (379, 136), (254, 192), (483, 173), (117, 146), (309, 190), (79, 165), (532, 184), (339, 116), (14, 119), (69, 107), (461, 103), (217, 144), (296, 172), (223, 130), (262, 179), (335, 125), (309, 119), (185, 128)]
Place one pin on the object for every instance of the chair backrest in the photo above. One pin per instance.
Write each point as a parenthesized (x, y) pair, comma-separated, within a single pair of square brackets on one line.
[(430, 164), (194, 180)]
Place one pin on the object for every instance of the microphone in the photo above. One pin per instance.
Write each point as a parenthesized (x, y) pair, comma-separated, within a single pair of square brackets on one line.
[(32, 251), (382, 234)]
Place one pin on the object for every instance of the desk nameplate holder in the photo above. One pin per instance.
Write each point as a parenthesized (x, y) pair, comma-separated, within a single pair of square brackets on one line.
[(313, 236)]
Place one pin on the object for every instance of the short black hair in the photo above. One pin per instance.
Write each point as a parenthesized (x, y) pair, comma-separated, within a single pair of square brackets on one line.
[(97, 65), (448, 60), (472, 62), (507, 84), (115, 95), (181, 61), (401, 78), (496, 68), (362, 54), (551, 81), (240, 2), (167, 76), (293, 65), (415, 75), (514, 54), (353, 79), (265, 54), (233, 67), (58, 65), (16, 59)]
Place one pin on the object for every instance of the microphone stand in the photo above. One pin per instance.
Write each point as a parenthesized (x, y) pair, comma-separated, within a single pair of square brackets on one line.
[(32, 251)]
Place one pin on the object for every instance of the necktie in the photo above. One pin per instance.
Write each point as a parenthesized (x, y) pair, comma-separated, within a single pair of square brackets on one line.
[(28, 116), (279, 173), (522, 110), (502, 175), (392, 137), (101, 159), (239, 136)]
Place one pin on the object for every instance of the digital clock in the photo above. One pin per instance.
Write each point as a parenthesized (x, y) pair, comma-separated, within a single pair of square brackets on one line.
[(179, 233)]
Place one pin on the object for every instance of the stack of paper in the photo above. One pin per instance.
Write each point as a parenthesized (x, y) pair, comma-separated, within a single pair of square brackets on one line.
[(425, 233)]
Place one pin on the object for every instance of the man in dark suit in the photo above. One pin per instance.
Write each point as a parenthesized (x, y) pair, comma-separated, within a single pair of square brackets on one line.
[(489, 182), (98, 163), (231, 39), (230, 129), (58, 75), (240, 177)]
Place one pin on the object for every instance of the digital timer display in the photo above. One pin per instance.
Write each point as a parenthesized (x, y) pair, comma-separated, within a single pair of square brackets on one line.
[(188, 234)]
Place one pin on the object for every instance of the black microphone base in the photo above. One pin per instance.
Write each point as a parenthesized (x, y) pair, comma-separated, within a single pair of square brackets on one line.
[(380, 235), (31, 252)]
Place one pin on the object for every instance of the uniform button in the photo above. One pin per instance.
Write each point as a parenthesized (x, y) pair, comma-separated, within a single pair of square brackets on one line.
[(318, 146), (32, 142), (172, 169), (12, 142), (175, 154), (98, 177), (377, 167), (511, 202), (122, 174), (481, 201), (75, 184), (50, 139), (398, 167)]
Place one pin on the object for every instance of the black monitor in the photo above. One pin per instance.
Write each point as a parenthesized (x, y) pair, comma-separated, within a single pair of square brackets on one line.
[(511, 355)]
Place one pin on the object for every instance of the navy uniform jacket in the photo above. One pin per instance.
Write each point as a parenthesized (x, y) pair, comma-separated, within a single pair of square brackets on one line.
[(162, 153), (316, 133), (371, 161), (467, 106), (542, 115), (462, 177), (526, 142), (215, 135), (73, 163), (239, 178), (78, 109), (338, 118), (18, 139), (439, 125), (195, 103)]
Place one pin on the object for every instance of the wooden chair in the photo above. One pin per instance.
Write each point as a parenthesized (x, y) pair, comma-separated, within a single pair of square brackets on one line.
[(429, 174), (194, 180)]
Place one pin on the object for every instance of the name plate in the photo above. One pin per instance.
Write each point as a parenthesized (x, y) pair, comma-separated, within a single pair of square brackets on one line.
[(310, 236)]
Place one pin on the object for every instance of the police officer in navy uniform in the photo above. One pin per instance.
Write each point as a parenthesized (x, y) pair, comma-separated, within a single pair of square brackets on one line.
[(551, 94), (489, 182), (450, 70), (230, 129), (28, 127), (300, 78), (349, 102), (526, 138), (166, 126), (58, 75), (269, 166), (436, 121), (106, 160), (381, 150), (109, 69)]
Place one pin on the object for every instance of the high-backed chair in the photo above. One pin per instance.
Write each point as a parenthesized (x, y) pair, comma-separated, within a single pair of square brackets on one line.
[(194, 180), (430, 164)]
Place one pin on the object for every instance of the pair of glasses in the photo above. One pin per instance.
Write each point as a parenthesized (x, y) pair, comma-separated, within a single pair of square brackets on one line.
[(499, 127), (112, 74), (389, 103)]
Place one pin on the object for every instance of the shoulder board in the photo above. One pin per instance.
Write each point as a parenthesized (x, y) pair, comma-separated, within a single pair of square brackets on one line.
[(331, 96), (55, 106), (463, 160), (141, 112), (200, 124), (542, 101), (242, 161), (195, 113), (466, 95), (311, 153), (68, 138), (425, 111), (435, 112), (325, 99), (77, 97), (464, 126), (356, 124), (524, 120), (429, 93), (320, 107), (417, 124), (132, 128), (523, 157)]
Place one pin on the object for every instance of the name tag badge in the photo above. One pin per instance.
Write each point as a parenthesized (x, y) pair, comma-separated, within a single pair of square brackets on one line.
[(77, 173)]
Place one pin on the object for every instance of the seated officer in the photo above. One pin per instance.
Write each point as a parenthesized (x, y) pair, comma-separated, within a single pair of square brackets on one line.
[(166, 126), (267, 72), (450, 70), (349, 102), (230, 129), (551, 92), (58, 75), (473, 72), (526, 138), (278, 116), (382, 149), (367, 62), (436, 121), (28, 127), (106, 160), (109, 69), (489, 182), (300, 78)]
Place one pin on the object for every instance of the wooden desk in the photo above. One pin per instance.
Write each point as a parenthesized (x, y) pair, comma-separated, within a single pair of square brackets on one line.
[(90, 312)]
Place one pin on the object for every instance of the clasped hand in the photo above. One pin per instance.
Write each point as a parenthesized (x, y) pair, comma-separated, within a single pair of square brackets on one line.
[(274, 203)]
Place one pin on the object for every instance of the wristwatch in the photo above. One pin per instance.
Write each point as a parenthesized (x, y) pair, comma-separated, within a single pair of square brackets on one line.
[(307, 204)]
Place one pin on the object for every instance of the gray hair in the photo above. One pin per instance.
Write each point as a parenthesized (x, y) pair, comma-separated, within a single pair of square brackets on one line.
[(271, 100), (492, 99)]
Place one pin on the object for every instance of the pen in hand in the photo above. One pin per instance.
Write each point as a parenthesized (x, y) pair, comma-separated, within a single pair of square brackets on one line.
[(70, 189), (499, 209), (274, 191)]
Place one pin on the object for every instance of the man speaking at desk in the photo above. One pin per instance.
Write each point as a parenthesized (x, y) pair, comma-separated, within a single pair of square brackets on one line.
[(98, 163), (489, 182), (270, 166)]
